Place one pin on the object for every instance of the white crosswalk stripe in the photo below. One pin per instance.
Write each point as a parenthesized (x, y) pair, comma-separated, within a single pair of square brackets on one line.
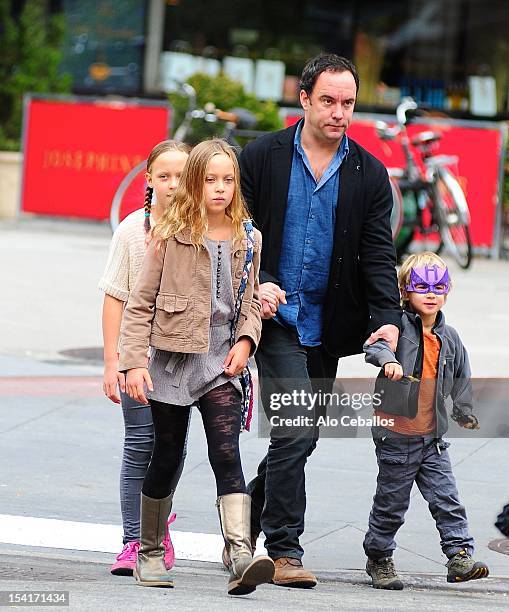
[(73, 535)]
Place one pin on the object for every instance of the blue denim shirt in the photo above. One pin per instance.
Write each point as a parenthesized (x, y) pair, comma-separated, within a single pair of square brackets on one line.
[(307, 242)]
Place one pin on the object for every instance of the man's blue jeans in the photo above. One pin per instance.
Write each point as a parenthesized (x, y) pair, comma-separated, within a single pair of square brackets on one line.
[(278, 491)]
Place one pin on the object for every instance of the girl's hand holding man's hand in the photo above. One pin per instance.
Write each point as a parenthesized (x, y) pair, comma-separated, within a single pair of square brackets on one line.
[(270, 297)]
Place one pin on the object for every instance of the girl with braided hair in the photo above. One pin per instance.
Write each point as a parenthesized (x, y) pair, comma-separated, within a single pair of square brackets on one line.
[(164, 166)]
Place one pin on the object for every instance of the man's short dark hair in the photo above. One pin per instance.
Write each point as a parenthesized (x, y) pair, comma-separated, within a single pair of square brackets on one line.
[(325, 62)]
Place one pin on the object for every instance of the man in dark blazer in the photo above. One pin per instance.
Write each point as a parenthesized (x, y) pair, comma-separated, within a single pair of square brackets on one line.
[(327, 281)]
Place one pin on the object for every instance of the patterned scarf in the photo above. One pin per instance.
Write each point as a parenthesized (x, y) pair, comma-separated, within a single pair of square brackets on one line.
[(246, 380)]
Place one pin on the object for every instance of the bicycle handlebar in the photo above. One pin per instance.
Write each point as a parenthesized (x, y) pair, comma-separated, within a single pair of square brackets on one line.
[(408, 108), (404, 106), (188, 91)]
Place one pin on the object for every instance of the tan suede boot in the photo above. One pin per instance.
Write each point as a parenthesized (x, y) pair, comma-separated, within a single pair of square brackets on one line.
[(150, 569), (246, 573), (225, 555)]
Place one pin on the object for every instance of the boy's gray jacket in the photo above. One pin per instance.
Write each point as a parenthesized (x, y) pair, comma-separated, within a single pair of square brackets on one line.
[(453, 372)]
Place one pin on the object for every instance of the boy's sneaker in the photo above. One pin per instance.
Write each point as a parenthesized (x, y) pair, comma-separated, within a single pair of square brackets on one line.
[(383, 574), (169, 552), (126, 560), (462, 567)]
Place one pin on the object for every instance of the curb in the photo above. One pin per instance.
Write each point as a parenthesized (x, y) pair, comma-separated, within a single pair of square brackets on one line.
[(22, 556), (492, 584)]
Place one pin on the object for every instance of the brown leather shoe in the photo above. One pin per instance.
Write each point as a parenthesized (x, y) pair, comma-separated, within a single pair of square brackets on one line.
[(291, 573)]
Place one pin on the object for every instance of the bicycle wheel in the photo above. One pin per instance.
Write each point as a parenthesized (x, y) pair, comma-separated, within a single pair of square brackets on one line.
[(409, 223), (130, 195), (428, 237), (397, 208), (454, 218)]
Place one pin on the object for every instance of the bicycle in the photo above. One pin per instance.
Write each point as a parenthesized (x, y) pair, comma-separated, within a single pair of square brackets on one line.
[(429, 207), (235, 124)]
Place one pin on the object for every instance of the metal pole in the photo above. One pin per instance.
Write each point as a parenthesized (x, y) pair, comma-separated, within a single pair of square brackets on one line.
[(154, 45), (498, 234)]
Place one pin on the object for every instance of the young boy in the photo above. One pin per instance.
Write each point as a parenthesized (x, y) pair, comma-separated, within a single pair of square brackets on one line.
[(430, 364)]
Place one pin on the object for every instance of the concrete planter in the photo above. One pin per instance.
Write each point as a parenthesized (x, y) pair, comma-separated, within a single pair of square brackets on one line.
[(10, 183)]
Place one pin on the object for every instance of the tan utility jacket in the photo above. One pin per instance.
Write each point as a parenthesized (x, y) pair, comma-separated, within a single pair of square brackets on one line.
[(169, 307)]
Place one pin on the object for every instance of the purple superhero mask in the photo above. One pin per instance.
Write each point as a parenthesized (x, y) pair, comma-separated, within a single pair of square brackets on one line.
[(429, 279)]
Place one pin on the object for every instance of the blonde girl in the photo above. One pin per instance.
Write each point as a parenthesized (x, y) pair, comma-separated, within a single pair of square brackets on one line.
[(196, 305), (164, 167)]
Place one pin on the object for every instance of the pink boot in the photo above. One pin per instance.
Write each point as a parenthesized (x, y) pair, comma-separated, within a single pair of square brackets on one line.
[(126, 560), (169, 553)]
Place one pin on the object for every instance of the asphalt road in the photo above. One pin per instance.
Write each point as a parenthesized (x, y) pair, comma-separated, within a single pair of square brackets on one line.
[(61, 446)]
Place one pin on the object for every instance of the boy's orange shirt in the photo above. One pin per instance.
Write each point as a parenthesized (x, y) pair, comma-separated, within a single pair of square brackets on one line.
[(424, 421)]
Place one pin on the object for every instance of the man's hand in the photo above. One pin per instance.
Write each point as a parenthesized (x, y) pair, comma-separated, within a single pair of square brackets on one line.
[(136, 380), (270, 297), (112, 377), (393, 371), (389, 333), (237, 358)]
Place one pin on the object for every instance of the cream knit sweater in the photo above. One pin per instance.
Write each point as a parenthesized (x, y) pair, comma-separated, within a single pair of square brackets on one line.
[(126, 254)]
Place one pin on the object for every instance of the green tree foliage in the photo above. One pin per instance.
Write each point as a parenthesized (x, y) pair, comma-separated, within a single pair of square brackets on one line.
[(30, 56), (226, 94)]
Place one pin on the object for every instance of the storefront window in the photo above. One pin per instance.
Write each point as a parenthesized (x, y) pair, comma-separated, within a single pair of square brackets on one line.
[(425, 48), (104, 45), (274, 39), (450, 54)]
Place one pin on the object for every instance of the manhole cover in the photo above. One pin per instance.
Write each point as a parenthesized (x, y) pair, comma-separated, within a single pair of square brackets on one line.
[(500, 546), (89, 353), (50, 570)]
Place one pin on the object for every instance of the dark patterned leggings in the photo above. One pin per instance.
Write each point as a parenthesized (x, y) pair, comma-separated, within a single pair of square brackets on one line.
[(220, 409)]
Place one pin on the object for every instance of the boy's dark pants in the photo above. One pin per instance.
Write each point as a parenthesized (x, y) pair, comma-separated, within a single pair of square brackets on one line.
[(403, 460)]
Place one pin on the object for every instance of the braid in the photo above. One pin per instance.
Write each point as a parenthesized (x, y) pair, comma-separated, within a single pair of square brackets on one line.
[(162, 147), (148, 205)]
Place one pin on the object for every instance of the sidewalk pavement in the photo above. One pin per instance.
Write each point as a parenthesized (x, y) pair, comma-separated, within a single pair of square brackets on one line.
[(61, 442), (200, 586)]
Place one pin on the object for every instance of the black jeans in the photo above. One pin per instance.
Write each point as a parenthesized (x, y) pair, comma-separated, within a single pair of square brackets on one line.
[(278, 491)]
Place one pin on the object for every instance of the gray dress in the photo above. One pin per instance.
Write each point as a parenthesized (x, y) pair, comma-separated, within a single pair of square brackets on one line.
[(182, 378)]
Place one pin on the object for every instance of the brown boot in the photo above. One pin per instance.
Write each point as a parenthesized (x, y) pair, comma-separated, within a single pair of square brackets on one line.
[(246, 573), (150, 569), (291, 573)]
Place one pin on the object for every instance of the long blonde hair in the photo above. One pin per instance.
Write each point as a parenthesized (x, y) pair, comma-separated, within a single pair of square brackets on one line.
[(186, 209)]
